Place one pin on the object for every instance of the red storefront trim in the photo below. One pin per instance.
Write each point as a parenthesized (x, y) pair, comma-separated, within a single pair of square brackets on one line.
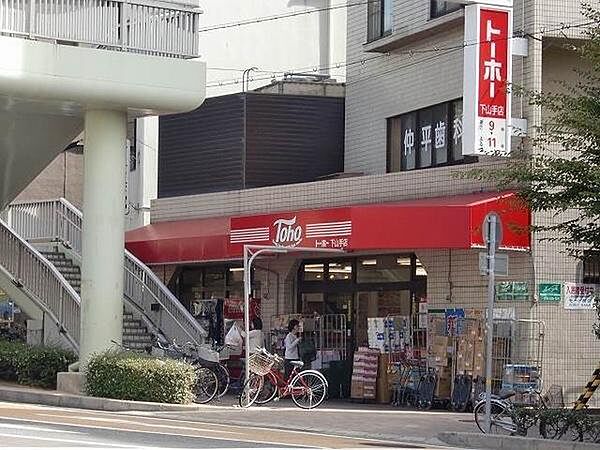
[(434, 223)]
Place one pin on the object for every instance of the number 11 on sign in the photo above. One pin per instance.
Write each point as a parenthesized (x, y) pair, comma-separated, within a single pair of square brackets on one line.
[(492, 134)]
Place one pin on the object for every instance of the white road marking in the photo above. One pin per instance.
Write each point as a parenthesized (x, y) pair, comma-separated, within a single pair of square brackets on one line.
[(34, 428), (124, 430), (71, 441), (135, 422)]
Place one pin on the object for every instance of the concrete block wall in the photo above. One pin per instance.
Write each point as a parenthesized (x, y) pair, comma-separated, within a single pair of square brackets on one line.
[(323, 194)]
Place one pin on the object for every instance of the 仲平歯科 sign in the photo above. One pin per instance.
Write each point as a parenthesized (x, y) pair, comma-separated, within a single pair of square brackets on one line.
[(487, 76)]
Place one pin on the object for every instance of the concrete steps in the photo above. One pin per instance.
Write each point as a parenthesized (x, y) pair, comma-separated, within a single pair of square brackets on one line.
[(135, 334)]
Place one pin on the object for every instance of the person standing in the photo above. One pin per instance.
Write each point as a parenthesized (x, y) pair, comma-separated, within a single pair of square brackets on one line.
[(256, 339), (291, 346)]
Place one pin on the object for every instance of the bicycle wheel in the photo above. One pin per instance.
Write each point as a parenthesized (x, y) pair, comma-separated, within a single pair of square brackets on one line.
[(501, 420), (251, 390), (224, 379), (268, 391), (207, 385), (308, 389)]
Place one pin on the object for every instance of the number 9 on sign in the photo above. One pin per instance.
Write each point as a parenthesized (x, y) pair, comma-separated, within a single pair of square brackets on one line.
[(493, 136)]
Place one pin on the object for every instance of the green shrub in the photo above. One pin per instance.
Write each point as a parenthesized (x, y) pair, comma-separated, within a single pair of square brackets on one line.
[(133, 376), (33, 365)]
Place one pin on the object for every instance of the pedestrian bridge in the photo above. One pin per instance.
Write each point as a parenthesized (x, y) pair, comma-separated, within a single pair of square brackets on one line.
[(87, 65)]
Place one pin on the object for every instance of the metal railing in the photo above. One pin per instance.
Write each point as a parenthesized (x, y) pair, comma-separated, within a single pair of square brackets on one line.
[(139, 26), (41, 282), (59, 221)]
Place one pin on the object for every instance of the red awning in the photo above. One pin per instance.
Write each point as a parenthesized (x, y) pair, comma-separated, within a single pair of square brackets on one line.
[(434, 223)]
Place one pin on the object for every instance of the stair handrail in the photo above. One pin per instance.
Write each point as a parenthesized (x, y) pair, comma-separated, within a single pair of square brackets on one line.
[(43, 284), (60, 220)]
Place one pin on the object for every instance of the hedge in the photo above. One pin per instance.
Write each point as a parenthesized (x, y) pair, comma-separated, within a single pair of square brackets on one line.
[(134, 376), (33, 365)]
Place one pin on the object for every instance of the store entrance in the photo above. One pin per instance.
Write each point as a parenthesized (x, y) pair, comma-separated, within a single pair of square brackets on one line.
[(372, 304), (343, 304), (374, 286)]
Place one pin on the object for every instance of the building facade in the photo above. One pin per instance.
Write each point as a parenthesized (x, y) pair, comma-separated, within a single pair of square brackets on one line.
[(404, 71)]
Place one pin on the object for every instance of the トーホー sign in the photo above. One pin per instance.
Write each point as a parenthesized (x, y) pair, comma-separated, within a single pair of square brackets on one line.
[(487, 76), (328, 229)]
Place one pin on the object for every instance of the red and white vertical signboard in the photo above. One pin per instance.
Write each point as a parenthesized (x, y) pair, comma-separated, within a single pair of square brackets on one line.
[(487, 78)]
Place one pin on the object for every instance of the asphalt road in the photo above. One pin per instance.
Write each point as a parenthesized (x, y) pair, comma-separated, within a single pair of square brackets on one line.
[(48, 427)]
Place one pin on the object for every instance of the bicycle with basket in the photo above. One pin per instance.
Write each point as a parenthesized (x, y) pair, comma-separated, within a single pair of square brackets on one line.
[(307, 388)]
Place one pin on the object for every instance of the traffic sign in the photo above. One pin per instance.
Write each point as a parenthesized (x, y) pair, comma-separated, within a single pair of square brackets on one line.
[(486, 229), (500, 266)]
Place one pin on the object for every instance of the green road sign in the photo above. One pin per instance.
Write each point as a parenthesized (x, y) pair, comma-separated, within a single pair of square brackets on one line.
[(550, 292), (512, 291)]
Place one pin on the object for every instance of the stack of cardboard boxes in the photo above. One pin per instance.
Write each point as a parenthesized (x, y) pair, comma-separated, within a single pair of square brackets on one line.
[(440, 350), (364, 373), (470, 349)]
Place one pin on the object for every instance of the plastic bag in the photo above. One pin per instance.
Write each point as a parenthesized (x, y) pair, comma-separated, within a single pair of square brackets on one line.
[(233, 338)]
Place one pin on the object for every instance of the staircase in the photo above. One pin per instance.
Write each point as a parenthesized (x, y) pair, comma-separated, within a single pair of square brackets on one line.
[(135, 335), (65, 266), (50, 277)]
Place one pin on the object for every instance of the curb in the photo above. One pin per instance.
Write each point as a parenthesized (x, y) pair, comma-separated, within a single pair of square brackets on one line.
[(53, 398), (488, 441)]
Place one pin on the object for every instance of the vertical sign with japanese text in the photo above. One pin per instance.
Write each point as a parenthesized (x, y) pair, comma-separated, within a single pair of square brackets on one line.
[(487, 78)]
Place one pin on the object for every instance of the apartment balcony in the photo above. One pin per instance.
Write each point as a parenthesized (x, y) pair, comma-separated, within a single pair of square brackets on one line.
[(141, 26)]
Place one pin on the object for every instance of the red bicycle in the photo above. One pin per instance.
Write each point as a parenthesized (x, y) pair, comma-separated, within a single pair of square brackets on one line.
[(308, 388)]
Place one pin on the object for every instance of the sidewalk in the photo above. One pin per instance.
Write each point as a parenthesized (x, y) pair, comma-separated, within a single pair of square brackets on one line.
[(337, 417)]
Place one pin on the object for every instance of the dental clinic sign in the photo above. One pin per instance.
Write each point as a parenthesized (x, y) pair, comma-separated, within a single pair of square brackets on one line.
[(487, 78), (581, 296)]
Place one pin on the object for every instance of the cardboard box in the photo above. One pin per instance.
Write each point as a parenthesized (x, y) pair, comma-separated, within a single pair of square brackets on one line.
[(356, 391), (443, 388), (441, 341), (438, 350), (383, 383), (438, 361)]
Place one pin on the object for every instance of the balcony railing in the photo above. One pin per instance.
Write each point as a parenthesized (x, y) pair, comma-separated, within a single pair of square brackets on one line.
[(138, 26)]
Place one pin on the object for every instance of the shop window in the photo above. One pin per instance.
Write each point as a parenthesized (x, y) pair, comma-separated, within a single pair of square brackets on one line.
[(591, 267), (314, 272), (420, 270), (313, 304), (379, 19), (340, 271), (429, 137), (383, 269), (442, 7), (235, 282), (214, 282)]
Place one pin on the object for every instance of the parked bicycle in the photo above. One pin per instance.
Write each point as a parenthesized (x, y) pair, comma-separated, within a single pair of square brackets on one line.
[(308, 388), (506, 418)]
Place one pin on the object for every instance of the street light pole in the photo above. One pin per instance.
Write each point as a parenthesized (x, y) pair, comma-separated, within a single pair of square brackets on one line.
[(249, 257), (491, 266)]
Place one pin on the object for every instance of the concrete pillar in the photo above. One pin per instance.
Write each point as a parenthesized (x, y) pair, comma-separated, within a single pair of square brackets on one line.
[(103, 231)]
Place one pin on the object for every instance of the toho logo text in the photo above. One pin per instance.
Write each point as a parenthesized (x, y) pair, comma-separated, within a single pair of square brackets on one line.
[(287, 233)]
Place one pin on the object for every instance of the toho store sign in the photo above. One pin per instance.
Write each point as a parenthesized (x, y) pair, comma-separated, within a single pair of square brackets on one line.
[(487, 76), (325, 229)]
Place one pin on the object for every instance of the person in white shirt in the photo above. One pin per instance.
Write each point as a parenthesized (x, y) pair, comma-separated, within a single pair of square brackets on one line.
[(256, 338), (291, 346)]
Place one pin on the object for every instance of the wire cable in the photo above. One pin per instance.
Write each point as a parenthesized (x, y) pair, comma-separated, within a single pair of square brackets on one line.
[(438, 51)]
